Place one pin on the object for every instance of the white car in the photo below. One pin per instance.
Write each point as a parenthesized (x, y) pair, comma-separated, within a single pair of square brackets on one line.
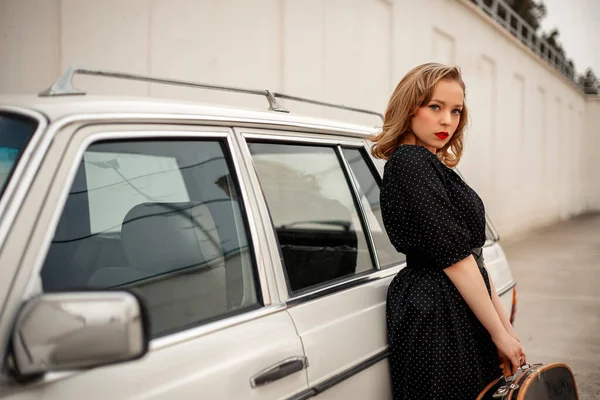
[(154, 249)]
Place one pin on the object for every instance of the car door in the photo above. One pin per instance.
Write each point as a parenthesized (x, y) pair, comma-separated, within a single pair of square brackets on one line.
[(334, 261), (162, 209)]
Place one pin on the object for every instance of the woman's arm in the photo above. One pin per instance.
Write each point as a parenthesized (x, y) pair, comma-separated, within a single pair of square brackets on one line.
[(466, 277), (501, 311)]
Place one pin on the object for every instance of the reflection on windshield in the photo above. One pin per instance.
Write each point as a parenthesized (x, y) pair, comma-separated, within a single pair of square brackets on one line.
[(15, 132)]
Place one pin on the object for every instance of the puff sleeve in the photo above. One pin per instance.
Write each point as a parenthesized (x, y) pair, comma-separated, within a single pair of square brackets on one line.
[(417, 210)]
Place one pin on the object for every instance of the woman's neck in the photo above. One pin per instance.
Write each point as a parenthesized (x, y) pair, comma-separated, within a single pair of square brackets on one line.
[(411, 139)]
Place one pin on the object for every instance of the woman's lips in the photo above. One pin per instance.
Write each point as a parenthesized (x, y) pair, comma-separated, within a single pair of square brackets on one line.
[(442, 135)]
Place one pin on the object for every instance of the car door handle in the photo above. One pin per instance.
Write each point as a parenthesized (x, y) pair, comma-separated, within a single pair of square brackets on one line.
[(279, 370)]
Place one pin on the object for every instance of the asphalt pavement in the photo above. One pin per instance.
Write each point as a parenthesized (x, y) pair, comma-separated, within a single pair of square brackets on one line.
[(557, 269)]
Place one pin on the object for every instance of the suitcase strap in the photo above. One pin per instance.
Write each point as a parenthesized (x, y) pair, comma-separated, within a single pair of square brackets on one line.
[(509, 380)]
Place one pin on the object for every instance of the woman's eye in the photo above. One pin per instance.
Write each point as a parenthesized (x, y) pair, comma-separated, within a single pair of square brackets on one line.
[(434, 107), (457, 111)]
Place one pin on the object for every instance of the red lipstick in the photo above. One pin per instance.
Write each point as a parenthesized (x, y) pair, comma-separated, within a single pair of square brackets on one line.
[(442, 135)]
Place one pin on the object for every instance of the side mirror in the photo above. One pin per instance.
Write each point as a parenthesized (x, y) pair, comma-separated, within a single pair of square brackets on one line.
[(62, 331)]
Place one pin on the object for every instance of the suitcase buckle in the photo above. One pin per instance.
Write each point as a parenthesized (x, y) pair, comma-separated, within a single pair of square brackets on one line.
[(502, 391)]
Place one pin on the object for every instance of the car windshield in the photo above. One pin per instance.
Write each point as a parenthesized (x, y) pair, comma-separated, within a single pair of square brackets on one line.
[(15, 132), (490, 238)]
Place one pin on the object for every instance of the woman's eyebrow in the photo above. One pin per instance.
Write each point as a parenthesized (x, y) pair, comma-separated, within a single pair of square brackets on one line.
[(444, 103)]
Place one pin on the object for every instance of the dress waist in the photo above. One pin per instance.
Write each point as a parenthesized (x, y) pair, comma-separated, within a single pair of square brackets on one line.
[(420, 259)]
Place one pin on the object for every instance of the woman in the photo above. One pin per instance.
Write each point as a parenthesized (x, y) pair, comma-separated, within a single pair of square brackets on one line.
[(446, 325)]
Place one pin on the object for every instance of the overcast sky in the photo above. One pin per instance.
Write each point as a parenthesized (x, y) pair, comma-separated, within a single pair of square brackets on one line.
[(579, 24)]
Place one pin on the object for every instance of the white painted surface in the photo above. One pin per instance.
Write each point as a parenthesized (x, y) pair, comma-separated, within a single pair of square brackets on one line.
[(215, 366), (528, 152), (591, 189), (333, 333)]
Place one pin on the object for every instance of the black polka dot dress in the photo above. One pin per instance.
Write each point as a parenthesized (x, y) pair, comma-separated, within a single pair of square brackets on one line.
[(438, 348)]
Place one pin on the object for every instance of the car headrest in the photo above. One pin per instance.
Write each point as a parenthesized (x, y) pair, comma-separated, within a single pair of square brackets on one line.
[(163, 237)]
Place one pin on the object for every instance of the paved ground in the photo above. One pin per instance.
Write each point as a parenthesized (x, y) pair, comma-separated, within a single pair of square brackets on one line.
[(558, 317)]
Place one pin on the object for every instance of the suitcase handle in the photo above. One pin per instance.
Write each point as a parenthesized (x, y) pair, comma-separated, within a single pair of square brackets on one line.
[(507, 367)]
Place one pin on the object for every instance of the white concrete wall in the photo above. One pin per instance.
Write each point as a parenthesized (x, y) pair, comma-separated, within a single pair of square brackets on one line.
[(528, 151), (591, 183)]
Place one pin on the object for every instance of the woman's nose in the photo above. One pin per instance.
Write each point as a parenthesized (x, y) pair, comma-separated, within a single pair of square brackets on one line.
[(446, 119)]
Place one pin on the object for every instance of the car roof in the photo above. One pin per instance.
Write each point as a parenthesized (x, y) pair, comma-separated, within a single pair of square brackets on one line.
[(62, 106)]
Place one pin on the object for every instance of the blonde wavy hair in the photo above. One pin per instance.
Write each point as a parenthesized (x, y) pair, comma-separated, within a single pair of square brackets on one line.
[(415, 90)]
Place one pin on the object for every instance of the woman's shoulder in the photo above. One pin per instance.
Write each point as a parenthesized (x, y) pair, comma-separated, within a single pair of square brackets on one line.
[(411, 156), (410, 161)]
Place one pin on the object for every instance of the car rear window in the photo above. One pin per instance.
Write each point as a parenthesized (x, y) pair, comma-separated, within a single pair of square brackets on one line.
[(15, 133)]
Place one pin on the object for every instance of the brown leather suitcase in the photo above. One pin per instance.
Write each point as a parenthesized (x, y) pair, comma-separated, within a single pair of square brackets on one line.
[(554, 381)]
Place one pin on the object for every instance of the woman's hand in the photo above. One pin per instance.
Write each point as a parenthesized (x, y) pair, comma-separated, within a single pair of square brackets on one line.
[(510, 348)]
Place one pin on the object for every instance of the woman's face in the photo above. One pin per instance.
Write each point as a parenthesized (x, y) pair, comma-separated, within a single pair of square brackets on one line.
[(434, 123)]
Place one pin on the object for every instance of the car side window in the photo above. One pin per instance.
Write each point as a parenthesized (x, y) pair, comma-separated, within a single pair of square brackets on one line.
[(314, 213), (368, 186), (162, 217)]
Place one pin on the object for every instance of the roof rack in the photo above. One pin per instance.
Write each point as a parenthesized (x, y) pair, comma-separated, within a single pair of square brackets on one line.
[(63, 86)]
